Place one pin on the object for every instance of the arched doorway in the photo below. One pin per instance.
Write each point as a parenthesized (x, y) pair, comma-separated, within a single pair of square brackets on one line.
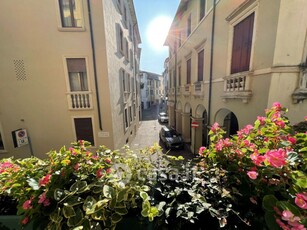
[(228, 120), (186, 122), (202, 119)]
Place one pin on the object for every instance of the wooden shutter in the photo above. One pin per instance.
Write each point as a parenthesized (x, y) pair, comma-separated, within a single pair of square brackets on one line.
[(76, 65), (200, 69), (84, 129), (242, 44), (189, 71)]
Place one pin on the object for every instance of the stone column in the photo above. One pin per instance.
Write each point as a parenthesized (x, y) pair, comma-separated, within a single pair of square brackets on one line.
[(196, 135), (186, 127), (179, 120)]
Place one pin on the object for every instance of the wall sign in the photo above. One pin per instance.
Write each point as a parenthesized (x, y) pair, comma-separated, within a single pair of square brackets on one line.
[(20, 137)]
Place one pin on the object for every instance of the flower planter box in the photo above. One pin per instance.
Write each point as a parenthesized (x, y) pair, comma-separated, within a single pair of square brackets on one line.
[(12, 222)]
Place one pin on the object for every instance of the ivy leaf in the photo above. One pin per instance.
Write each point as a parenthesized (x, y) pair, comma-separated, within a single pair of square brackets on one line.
[(108, 191), (68, 211), (268, 202), (116, 218), (33, 184), (79, 187)]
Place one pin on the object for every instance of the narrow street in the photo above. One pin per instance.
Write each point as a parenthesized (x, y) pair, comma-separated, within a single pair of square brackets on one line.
[(148, 134)]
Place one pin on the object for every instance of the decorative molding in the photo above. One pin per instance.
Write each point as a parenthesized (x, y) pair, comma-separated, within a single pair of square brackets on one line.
[(245, 6)]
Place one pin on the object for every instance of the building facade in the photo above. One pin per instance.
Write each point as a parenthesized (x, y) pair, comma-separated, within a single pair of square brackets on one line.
[(152, 89), (229, 60), (69, 71)]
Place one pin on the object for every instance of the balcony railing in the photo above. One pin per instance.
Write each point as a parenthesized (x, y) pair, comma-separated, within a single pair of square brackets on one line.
[(237, 86), (187, 90), (80, 100), (198, 89)]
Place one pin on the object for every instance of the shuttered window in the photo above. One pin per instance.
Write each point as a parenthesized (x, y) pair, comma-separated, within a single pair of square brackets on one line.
[(84, 129), (189, 71), (77, 74), (200, 67), (242, 44)]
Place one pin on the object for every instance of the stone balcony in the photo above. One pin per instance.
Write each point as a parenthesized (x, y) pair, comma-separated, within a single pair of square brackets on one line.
[(80, 100)]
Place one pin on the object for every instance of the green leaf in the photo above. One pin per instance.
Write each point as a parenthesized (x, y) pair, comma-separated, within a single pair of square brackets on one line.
[(68, 211), (144, 195), (88, 205), (116, 218), (58, 194), (268, 202), (161, 205), (74, 200), (33, 184), (55, 216), (79, 187), (271, 221), (302, 182), (77, 219), (108, 191), (121, 211), (122, 195), (284, 205)]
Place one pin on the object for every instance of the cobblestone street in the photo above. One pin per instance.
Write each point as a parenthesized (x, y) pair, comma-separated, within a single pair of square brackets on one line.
[(148, 133)]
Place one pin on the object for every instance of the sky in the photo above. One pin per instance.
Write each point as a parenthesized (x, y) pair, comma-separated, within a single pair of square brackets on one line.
[(154, 19)]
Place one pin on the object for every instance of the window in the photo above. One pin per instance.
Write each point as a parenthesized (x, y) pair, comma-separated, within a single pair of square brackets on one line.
[(174, 79), (179, 75), (200, 67), (77, 74), (126, 50), (84, 129), (126, 119), (130, 113), (70, 11), (128, 82), (131, 59), (202, 11), (189, 71), (242, 43), (123, 77), (125, 16), (170, 80), (179, 39), (120, 39), (189, 25)]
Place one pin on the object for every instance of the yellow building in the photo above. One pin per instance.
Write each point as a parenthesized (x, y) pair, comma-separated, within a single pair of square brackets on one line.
[(69, 71), (231, 59)]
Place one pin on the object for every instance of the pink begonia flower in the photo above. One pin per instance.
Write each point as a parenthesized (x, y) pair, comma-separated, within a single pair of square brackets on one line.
[(261, 119), (282, 225), (252, 174), (256, 158), (76, 167), (301, 200), (45, 180), (201, 150), (219, 145), (227, 142), (280, 123), (276, 158), (73, 151), (99, 173), (43, 200), (292, 140), (215, 127), (108, 161), (277, 106), (25, 220), (246, 129), (305, 118), (109, 170), (27, 204), (5, 165)]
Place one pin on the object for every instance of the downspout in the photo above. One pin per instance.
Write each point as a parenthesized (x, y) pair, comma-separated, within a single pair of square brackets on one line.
[(211, 65), (175, 85), (94, 64)]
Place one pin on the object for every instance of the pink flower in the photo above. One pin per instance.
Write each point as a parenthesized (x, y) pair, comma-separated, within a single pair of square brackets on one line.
[(277, 106), (215, 127), (76, 167), (99, 173), (276, 158), (43, 200), (25, 220), (280, 123), (27, 204), (252, 174), (45, 180), (256, 158), (227, 142), (109, 170), (108, 161), (301, 200), (261, 119), (73, 151), (247, 129), (292, 140), (219, 145), (201, 150), (305, 118), (282, 225)]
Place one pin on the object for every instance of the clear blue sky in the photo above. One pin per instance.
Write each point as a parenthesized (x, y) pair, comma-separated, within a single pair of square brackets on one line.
[(147, 11)]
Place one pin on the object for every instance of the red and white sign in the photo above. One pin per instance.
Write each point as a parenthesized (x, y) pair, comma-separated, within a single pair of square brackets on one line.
[(194, 124)]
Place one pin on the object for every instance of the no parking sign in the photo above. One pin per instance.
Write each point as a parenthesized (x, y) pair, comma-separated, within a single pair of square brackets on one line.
[(20, 138)]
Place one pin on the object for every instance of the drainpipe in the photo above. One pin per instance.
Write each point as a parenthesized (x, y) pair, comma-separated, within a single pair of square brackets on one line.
[(211, 64), (175, 84), (94, 64)]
